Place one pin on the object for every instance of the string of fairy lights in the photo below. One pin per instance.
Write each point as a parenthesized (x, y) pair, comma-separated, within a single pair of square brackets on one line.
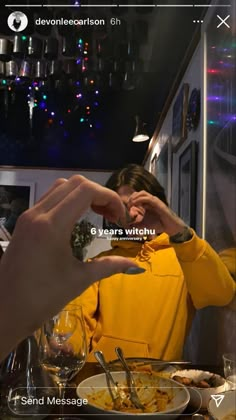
[(84, 90), (85, 95)]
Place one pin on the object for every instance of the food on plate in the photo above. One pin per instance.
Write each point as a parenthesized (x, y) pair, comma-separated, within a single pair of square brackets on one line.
[(166, 371), (155, 393), (201, 385), (230, 416), (210, 382), (153, 399), (140, 367)]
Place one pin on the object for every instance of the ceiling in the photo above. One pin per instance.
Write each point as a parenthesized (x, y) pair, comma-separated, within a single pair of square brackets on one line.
[(162, 37)]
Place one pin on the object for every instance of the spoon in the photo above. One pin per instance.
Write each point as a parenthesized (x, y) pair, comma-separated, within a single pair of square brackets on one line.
[(130, 380)]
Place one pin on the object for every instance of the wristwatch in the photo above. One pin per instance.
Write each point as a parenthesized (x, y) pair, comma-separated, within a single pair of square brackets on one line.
[(181, 237)]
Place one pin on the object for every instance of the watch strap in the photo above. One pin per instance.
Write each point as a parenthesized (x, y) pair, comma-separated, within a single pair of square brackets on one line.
[(183, 236)]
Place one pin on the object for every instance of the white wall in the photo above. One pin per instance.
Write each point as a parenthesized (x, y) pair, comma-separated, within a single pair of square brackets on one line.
[(193, 77), (44, 178)]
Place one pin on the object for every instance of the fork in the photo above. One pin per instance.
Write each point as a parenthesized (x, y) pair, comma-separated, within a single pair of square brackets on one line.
[(116, 395), (130, 380)]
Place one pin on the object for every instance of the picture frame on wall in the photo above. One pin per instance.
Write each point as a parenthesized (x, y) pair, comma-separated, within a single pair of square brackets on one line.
[(163, 168), (153, 165), (179, 119), (161, 172), (15, 198), (188, 184)]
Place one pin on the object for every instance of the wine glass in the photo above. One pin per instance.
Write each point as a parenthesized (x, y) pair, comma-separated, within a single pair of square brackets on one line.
[(63, 346), (229, 360), (22, 378)]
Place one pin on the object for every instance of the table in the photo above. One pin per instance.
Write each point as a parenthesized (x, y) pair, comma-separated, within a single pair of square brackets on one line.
[(92, 369)]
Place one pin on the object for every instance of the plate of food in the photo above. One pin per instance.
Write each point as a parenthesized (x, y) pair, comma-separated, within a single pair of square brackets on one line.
[(159, 396), (201, 385)]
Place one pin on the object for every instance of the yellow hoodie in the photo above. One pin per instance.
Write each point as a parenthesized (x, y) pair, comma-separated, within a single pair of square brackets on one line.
[(149, 314)]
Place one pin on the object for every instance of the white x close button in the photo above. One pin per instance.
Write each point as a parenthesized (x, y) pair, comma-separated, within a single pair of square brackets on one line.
[(223, 21)]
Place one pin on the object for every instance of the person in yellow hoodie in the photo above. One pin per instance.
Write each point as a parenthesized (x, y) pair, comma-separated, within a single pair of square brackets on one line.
[(149, 315)]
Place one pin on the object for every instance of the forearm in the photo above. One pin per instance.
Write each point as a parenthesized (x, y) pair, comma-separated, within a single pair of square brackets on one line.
[(207, 278)]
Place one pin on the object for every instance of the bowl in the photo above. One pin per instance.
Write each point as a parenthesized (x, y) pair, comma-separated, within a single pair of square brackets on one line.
[(225, 408), (200, 397), (89, 388)]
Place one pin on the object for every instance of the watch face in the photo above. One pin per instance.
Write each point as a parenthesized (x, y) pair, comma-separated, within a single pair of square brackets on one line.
[(193, 115)]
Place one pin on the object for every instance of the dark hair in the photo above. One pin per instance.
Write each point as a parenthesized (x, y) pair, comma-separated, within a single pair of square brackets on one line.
[(137, 178)]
